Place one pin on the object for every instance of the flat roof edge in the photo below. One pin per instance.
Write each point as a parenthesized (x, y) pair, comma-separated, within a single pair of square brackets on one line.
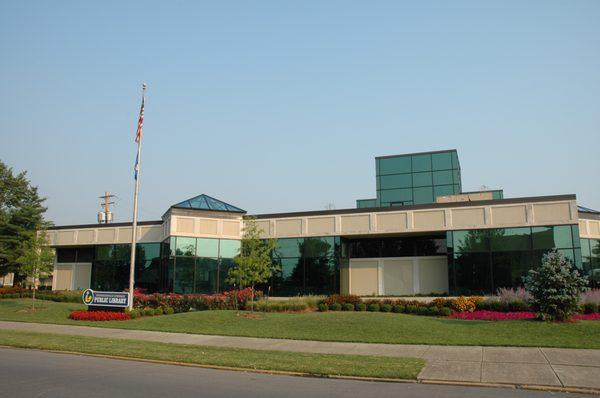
[(550, 198), (116, 224), (416, 153)]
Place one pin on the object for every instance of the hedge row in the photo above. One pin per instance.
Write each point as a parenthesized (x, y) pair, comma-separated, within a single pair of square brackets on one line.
[(386, 307)]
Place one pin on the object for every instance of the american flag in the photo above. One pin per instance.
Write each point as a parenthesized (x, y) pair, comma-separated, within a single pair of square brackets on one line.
[(138, 135)]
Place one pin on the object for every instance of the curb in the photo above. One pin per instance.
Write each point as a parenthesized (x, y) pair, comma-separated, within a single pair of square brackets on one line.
[(533, 387)]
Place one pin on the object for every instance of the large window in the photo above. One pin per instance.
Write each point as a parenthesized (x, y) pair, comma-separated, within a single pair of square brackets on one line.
[(199, 265), (417, 178), (590, 255), (481, 261), (394, 247)]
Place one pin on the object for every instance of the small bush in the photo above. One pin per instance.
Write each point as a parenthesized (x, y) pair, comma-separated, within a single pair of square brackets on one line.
[(335, 307), (398, 308), (158, 311), (590, 308), (441, 302), (348, 307), (423, 311), (148, 312), (445, 311), (323, 307), (169, 311), (386, 308), (373, 307), (135, 313), (342, 299), (518, 306), (434, 311), (360, 307), (411, 309)]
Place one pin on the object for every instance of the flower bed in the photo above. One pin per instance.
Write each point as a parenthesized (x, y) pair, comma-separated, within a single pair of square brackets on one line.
[(483, 315), (587, 317), (99, 316), (230, 300)]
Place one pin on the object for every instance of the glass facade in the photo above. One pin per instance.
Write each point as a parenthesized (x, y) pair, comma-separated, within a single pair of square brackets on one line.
[(198, 265), (394, 247), (110, 267), (590, 256), (481, 261), (414, 179), (365, 203), (308, 266)]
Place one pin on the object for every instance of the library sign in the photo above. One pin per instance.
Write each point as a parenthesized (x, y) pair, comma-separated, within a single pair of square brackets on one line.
[(105, 299)]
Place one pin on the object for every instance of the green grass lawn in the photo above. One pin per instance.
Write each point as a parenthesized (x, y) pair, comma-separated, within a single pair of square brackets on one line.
[(316, 364), (338, 326)]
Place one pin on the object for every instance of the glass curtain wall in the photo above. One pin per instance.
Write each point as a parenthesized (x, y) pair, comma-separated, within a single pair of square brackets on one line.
[(481, 261), (417, 178), (308, 266), (394, 247), (198, 265), (110, 267), (590, 255)]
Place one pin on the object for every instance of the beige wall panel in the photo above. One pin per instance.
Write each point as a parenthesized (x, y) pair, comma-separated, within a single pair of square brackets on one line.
[(85, 236), (83, 275), (429, 219), (363, 277), (474, 217), (398, 277), (106, 235), (124, 235), (433, 275), (231, 228), (594, 228), (509, 215), (65, 238), (264, 226), (355, 223), (321, 225), (207, 227), (391, 222), (150, 234), (288, 227), (184, 225), (551, 212), (344, 279), (63, 275), (583, 228)]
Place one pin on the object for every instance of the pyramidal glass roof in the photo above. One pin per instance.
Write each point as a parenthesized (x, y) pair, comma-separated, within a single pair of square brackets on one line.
[(205, 202)]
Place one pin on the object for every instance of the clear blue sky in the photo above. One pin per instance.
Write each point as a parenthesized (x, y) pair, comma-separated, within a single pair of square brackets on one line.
[(282, 106)]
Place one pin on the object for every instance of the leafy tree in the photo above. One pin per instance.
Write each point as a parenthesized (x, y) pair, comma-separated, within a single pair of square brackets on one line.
[(253, 265), (21, 215), (36, 261), (556, 287)]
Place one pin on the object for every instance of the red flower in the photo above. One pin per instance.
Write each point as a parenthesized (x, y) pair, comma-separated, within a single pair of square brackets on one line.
[(493, 315), (85, 315), (587, 317)]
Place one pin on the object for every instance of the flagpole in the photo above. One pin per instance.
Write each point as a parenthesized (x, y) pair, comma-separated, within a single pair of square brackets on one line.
[(135, 210)]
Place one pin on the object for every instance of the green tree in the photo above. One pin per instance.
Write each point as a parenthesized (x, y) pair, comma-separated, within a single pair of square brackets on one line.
[(21, 215), (556, 287), (36, 261), (253, 265)]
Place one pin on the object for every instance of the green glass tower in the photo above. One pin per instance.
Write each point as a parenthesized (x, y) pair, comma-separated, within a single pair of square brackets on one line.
[(417, 178)]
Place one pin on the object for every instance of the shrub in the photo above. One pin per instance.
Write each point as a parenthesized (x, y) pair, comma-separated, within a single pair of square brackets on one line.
[(85, 315), (148, 311), (348, 307), (434, 311), (323, 307), (169, 311), (411, 309), (591, 296), (158, 311), (518, 306), (465, 304), (342, 299), (423, 311), (509, 295), (135, 313), (445, 311), (360, 307), (555, 287), (386, 308), (441, 302), (335, 307), (590, 308), (373, 307), (398, 308)]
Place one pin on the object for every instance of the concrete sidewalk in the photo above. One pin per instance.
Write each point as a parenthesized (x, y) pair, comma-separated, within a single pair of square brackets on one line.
[(551, 367)]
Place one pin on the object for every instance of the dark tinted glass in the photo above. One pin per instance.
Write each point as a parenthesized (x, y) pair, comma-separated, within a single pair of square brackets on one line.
[(183, 281), (66, 255), (205, 279)]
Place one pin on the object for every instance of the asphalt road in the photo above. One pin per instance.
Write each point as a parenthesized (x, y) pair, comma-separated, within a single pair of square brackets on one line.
[(30, 373)]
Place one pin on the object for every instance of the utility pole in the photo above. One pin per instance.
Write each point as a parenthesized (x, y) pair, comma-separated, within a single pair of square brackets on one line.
[(106, 216)]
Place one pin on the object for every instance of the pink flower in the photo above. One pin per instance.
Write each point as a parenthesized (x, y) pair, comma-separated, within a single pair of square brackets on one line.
[(493, 315)]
